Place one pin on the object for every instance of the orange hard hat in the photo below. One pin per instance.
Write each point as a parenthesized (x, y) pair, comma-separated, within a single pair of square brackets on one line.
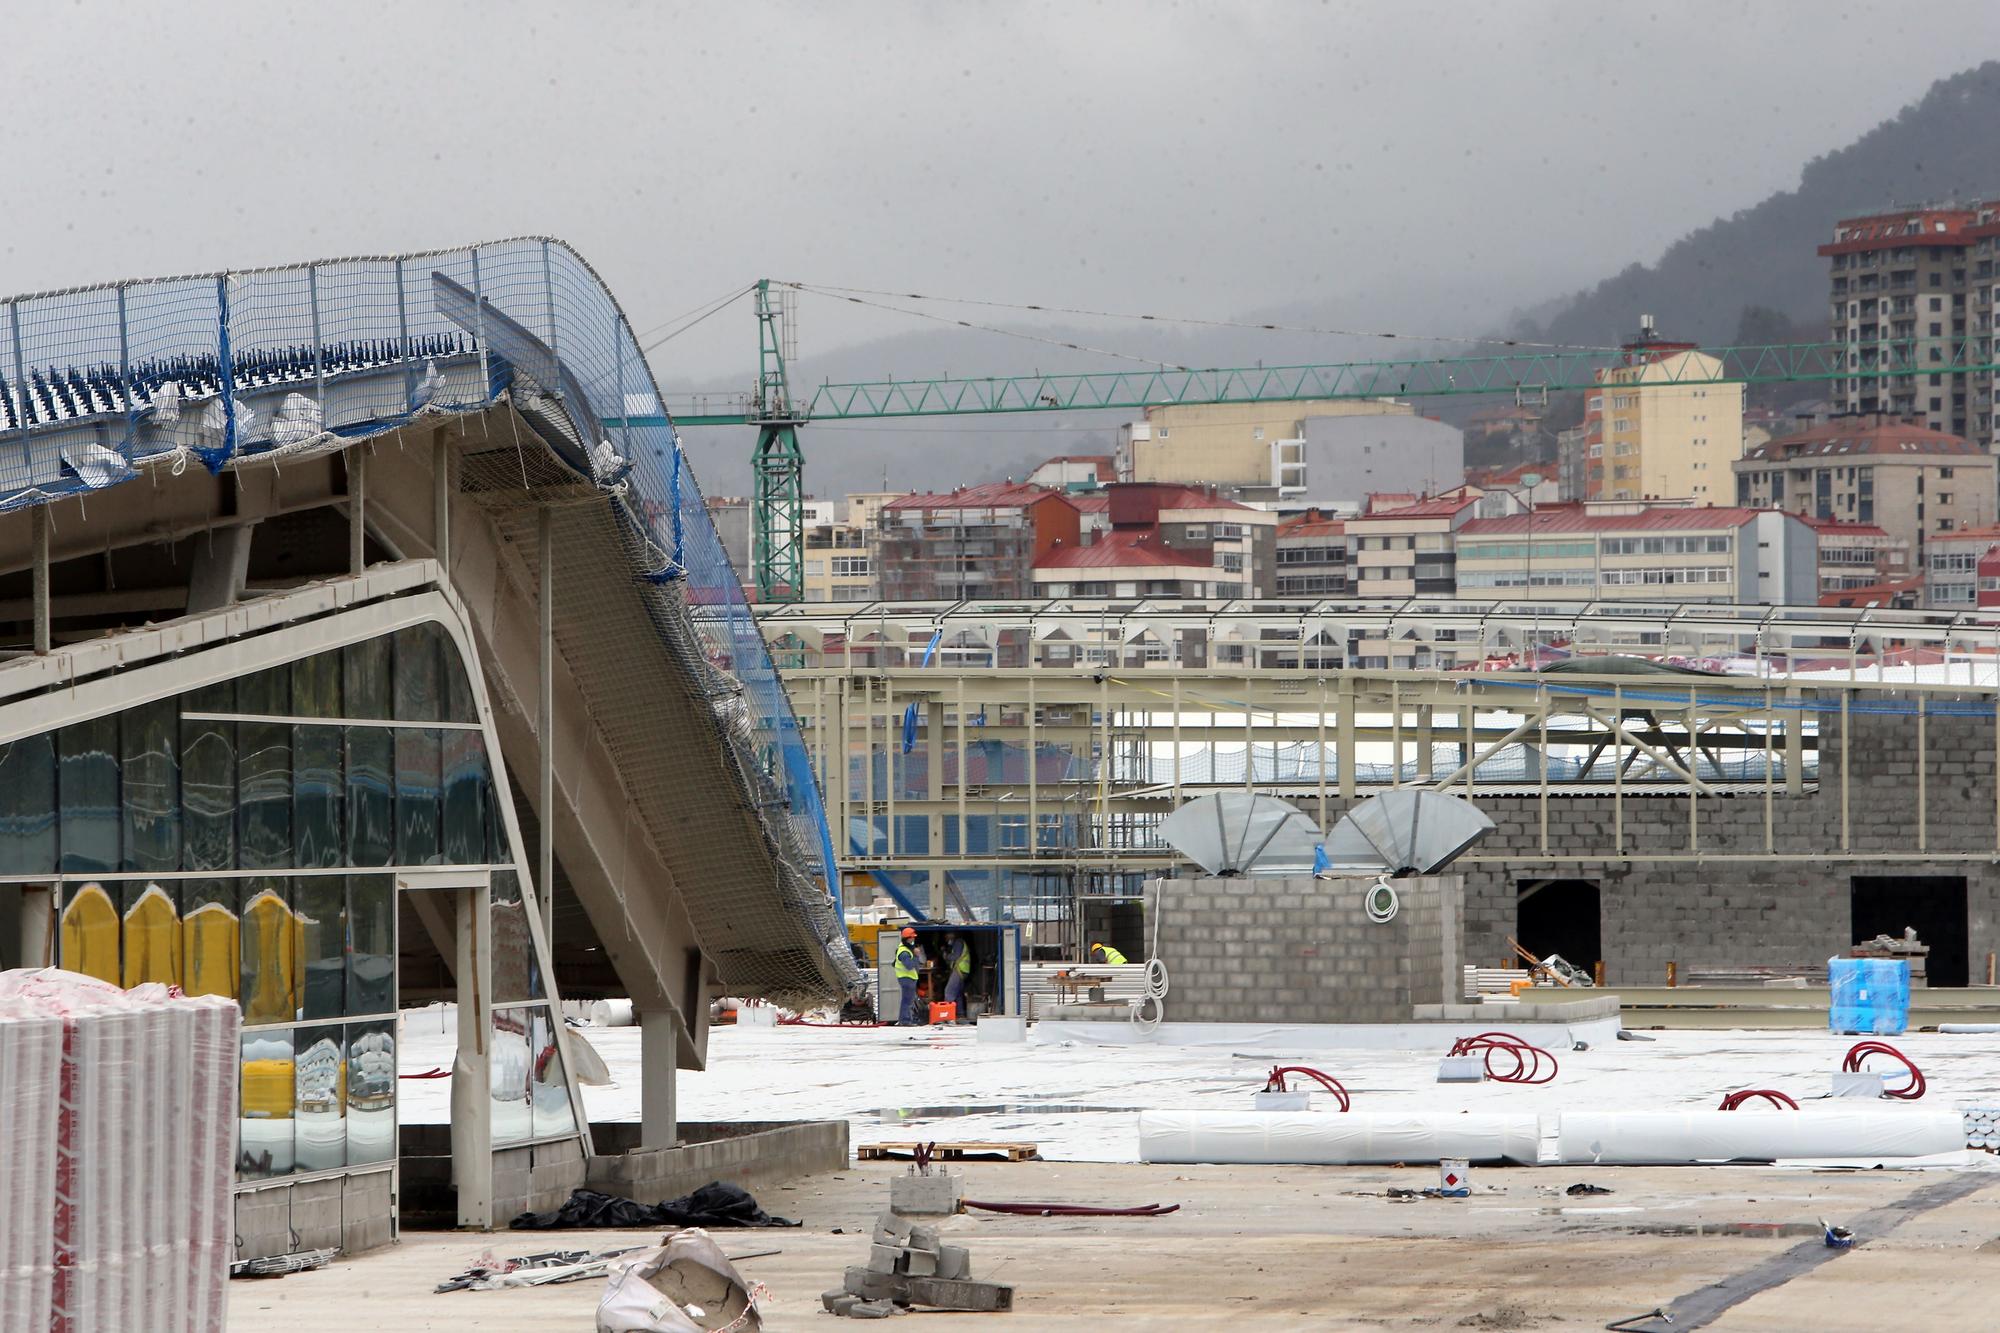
[(909, 932)]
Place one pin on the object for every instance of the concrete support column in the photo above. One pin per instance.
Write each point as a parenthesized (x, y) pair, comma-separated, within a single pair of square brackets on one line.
[(545, 726), (39, 517), (357, 506), (471, 1069), (441, 498), (659, 1122)]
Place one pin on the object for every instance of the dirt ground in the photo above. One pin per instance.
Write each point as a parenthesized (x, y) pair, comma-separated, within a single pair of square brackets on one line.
[(1280, 1248)]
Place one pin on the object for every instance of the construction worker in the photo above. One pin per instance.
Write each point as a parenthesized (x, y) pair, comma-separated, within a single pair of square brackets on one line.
[(957, 966), (907, 970), (1105, 954)]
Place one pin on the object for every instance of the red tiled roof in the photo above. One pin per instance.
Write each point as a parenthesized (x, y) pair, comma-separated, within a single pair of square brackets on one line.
[(1091, 502), (1580, 520), (1990, 533), (1442, 507), (1888, 231), (1860, 435), (1124, 550), (1312, 523), (991, 495), (1834, 527), (1874, 592)]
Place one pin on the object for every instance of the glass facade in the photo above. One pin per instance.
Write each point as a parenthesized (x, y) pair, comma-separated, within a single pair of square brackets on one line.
[(244, 839)]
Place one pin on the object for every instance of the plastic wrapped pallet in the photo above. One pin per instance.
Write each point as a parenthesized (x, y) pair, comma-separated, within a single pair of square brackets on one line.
[(1311, 1138), (30, 1069), (131, 1214), (1868, 996)]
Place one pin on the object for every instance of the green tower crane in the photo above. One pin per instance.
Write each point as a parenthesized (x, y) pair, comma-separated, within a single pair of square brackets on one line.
[(777, 512)]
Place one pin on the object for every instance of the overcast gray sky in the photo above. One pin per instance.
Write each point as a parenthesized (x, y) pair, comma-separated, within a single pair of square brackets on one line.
[(1410, 162)]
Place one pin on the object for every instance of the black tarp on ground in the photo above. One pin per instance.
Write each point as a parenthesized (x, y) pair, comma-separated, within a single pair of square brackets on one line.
[(713, 1205)]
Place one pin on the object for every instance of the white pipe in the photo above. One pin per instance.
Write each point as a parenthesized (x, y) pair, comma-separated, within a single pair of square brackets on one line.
[(1671, 1138), (1309, 1138), (1609, 1138)]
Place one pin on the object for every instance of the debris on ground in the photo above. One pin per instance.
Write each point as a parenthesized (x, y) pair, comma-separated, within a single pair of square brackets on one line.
[(910, 1265), (1837, 1238), (547, 1268), (687, 1285), (714, 1205), (1585, 1187), (277, 1265), (1073, 1209)]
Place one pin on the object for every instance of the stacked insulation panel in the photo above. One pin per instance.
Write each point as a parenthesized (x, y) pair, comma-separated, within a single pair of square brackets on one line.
[(117, 1132)]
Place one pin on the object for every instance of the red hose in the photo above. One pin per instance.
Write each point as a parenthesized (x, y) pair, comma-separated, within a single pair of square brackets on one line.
[(1276, 1082), (1073, 1209), (1734, 1100), (1861, 1050), (428, 1073), (1528, 1060)]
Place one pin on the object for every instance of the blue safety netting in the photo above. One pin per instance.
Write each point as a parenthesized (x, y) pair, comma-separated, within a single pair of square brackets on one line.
[(100, 385)]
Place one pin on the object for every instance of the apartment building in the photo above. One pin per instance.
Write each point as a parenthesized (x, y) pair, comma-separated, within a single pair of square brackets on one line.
[(1229, 444), (1312, 556), (1908, 479), (1953, 573), (1407, 551), (1649, 434), (837, 564), (1858, 555), (977, 541), (1130, 564), (1905, 287), (1680, 554)]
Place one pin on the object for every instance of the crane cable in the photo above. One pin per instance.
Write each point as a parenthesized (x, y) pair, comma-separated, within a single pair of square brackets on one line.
[(824, 289), (1064, 343)]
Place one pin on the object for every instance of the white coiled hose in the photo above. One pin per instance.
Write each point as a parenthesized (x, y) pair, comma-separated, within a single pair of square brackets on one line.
[(1151, 1010)]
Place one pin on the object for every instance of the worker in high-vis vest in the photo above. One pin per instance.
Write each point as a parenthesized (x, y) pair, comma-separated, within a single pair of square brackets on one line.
[(1104, 953), (958, 967), (907, 971)]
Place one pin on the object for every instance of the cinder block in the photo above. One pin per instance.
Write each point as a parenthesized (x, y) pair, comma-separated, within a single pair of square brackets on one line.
[(920, 1263), (924, 1236), (886, 1259), (954, 1262), (871, 1286), (935, 1195)]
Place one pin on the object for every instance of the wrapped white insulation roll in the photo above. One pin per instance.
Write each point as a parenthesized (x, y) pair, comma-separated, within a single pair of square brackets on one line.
[(1610, 1138), (1670, 1138), (1311, 1138), (611, 1014)]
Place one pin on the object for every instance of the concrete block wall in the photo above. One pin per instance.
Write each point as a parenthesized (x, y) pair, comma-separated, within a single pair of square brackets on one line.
[(767, 1154), (1300, 950), (347, 1213), (1720, 912)]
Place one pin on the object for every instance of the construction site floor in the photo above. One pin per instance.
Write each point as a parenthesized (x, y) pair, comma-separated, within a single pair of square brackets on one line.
[(1292, 1248)]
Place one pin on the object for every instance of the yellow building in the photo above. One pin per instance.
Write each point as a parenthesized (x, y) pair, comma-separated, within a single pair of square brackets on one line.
[(1657, 437), (1228, 444)]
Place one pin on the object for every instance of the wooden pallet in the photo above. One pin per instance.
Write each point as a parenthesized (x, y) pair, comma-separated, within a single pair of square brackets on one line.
[(949, 1152)]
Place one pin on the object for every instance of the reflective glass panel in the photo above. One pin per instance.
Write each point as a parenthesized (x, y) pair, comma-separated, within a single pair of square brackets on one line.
[(320, 902), (371, 961), (459, 705), (268, 938), (316, 761), (419, 783), (465, 787), (320, 1130), (208, 781), (28, 806), (152, 933), (418, 691), (514, 972), (553, 1113), (365, 679), (371, 1092), (265, 1135), (371, 804), (264, 772), (513, 1109), (90, 932), (151, 792), (89, 789), (208, 937)]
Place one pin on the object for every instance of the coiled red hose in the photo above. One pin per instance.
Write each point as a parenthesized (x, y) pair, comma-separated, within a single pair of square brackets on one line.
[(1731, 1101), (1861, 1050), (1529, 1061), (1276, 1082)]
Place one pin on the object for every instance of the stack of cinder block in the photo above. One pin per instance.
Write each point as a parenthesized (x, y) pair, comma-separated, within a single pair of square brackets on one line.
[(909, 1264)]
